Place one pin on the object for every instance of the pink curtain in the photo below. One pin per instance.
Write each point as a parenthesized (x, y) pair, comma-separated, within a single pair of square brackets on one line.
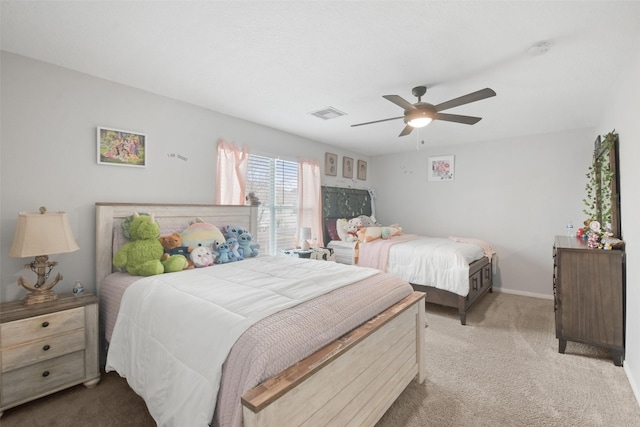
[(232, 173), (310, 199)]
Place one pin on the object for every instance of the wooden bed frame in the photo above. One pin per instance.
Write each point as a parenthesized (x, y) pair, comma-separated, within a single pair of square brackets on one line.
[(350, 202), (351, 381), (480, 282)]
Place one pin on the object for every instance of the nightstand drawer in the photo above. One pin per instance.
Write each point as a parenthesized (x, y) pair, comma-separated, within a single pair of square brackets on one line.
[(23, 331), (43, 349), (38, 379)]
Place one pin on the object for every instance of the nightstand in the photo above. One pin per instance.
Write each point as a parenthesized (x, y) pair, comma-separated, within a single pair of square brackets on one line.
[(47, 347), (321, 254)]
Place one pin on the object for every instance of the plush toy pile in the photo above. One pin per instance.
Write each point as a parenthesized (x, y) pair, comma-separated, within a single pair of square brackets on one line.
[(364, 229), (199, 245), (142, 254)]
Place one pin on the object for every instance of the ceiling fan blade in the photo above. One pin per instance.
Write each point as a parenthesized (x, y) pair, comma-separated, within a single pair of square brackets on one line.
[(465, 99), (406, 131), (378, 121), (399, 101), (467, 120)]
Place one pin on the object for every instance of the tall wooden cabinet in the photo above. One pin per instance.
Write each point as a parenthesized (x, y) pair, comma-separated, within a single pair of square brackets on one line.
[(589, 296)]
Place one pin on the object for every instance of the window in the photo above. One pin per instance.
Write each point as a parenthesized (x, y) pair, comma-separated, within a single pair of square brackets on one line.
[(275, 183)]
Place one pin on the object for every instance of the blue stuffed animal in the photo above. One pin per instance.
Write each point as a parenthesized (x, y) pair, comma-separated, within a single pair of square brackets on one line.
[(234, 253), (232, 231), (223, 254), (248, 249)]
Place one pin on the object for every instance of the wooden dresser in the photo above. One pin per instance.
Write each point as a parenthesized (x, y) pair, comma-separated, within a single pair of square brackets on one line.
[(589, 295), (47, 347)]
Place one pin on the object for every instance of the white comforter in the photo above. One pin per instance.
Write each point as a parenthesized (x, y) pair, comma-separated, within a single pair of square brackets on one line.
[(174, 331), (438, 262)]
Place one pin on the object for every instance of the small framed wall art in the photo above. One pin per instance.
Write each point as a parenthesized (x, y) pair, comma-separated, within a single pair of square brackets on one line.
[(121, 148), (347, 167), (362, 170), (331, 164), (440, 168)]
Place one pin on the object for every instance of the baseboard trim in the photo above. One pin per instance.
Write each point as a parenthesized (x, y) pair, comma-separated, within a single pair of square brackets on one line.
[(632, 381), (523, 293)]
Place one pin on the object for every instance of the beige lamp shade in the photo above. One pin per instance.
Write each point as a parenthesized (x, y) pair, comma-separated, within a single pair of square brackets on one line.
[(42, 234)]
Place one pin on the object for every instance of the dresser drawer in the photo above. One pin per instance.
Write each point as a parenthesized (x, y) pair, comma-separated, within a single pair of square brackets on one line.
[(475, 285), (43, 349), (40, 378), (33, 328), (487, 275)]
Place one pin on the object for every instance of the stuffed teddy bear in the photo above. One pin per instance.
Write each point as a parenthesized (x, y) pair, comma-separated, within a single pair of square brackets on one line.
[(248, 249), (141, 255), (201, 257), (353, 226), (352, 233), (172, 245)]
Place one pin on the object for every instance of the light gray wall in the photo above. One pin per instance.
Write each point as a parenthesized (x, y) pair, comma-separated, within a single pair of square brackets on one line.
[(621, 113), (48, 156), (516, 194)]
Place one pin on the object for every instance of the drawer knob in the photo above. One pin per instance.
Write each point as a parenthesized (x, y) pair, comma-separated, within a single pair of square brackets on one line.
[(45, 324), (46, 347), (45, 374)]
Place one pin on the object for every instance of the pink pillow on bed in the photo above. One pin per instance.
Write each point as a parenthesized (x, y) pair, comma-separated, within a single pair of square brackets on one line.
[(330, 224)]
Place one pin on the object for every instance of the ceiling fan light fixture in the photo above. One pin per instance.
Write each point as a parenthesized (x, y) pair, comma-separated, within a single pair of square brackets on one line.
[(419, 122)]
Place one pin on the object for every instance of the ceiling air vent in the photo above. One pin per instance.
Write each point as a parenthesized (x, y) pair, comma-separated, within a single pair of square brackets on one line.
[(328, 113)]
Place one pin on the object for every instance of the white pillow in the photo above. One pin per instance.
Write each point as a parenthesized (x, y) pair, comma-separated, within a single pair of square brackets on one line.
[(341, 228)]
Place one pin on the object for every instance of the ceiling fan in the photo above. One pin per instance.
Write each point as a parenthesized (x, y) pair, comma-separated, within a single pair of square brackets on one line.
[(421, 113)]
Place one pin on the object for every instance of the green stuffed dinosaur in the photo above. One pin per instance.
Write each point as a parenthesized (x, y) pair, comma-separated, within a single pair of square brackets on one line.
[(141, 255)]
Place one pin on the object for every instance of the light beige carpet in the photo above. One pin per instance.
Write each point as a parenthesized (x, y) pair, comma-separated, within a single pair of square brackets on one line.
[(501, 369)]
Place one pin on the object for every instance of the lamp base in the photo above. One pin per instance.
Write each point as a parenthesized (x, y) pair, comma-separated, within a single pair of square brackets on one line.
[(40, 292), (37, 297)]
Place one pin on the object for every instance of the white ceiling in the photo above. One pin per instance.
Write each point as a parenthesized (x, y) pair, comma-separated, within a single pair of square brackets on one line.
[(275, 62)]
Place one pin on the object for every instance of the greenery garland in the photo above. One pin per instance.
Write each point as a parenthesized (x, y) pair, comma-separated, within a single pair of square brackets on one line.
[(599, 190)]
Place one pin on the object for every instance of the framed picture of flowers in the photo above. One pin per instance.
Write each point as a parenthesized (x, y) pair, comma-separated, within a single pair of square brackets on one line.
[(440, 168)]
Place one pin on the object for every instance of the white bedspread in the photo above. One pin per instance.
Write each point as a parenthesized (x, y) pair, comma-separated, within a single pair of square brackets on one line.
[(439, 262), (161, 317)]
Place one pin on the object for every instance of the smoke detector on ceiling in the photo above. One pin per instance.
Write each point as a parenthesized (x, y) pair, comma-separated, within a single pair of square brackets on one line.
[(328, 113), (539, 48)]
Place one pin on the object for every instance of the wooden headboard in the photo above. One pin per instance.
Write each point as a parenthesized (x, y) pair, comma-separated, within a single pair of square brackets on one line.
[(109, 217), (343, 203)]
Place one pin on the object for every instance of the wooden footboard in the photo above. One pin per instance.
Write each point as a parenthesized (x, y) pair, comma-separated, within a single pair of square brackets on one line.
[(480, 282), (351, 381)]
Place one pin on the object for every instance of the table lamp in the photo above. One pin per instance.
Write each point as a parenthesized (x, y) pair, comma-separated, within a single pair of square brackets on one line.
[(305, 235), (40, 234)]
